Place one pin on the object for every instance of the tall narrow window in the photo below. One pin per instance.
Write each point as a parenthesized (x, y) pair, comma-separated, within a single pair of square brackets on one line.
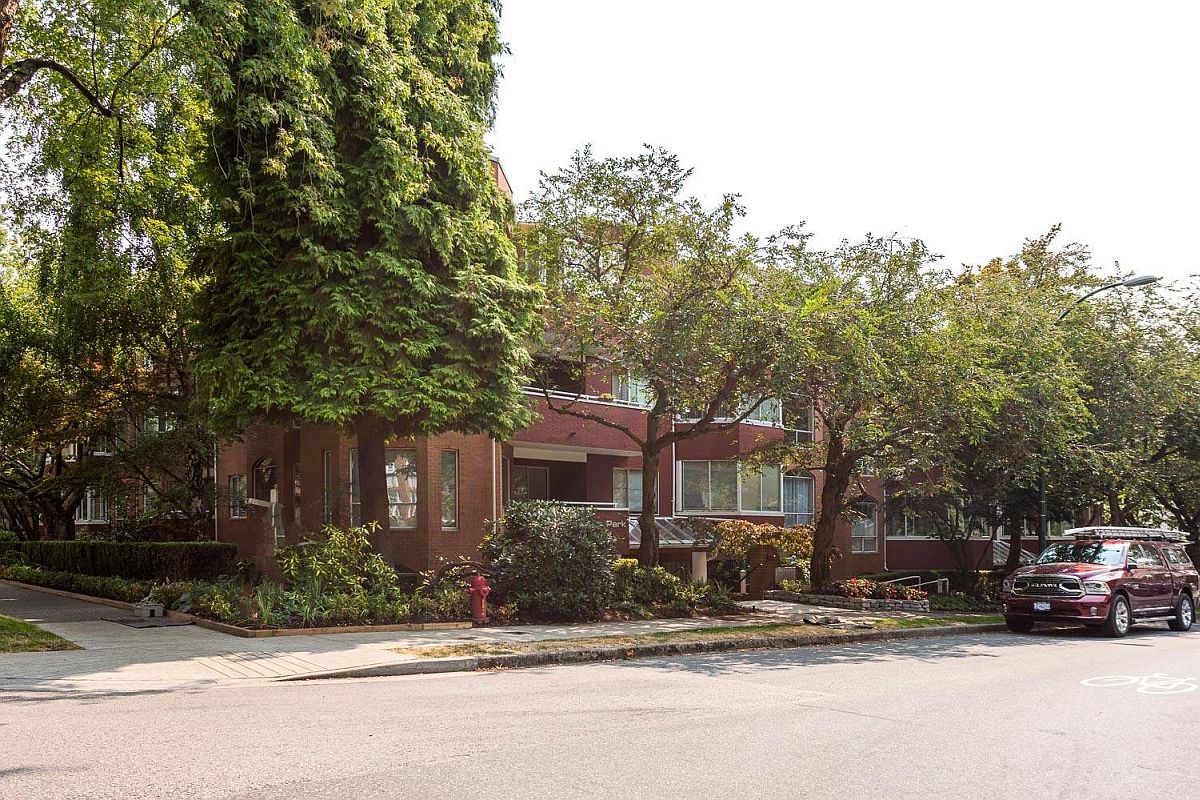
[(797, 500), (296, 493), (627, 488), (505, 481), (449, 488), (863, 538), (237, 496), (327, 486)]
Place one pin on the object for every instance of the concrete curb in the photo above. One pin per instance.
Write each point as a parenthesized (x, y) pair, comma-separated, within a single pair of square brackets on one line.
[(593, 654)]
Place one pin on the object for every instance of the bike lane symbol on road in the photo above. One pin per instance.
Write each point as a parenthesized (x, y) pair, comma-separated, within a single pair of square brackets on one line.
[(1146, 684)]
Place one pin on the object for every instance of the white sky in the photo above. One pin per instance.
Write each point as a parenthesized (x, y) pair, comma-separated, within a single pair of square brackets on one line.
[(970, 125)]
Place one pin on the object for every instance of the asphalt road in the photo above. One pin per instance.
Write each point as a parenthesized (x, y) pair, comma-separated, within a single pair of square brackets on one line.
[(972, 716)]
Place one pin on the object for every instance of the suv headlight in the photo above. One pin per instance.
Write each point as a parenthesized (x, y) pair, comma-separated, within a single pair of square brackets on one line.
[(1096, 587), (1007, 585)]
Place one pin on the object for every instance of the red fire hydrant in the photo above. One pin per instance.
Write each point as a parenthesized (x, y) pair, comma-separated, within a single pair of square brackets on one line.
[(479, 591)]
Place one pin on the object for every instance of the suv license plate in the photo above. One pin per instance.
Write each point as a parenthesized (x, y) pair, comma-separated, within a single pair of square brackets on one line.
[(1041, 606)]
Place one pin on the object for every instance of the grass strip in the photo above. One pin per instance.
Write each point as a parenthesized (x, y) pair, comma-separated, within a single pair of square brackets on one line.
[(18, 636), (723, 633)]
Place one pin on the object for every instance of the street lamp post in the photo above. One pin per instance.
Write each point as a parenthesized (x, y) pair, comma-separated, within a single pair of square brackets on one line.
[(1043, 517)]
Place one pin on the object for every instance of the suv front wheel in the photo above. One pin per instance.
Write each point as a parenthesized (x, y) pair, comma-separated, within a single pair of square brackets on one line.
[(1019, 624), (1120, 617), (1185, 613)]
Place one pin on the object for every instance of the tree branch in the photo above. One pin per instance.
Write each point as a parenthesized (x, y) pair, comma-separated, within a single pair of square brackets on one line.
[(14, 76)]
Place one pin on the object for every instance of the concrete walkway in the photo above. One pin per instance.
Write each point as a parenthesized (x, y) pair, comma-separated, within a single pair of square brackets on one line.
[(119, 658)]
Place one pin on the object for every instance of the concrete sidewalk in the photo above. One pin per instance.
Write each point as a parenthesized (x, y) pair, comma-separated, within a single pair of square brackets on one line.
[(117, 657)]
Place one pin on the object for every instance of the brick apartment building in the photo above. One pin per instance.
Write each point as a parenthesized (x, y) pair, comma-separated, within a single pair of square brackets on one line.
[(445, 490)]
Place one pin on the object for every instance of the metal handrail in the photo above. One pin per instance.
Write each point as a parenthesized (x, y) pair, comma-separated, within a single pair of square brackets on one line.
[(942, 584)]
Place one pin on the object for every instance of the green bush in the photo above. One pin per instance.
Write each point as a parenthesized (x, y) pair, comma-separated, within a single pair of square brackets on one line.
[(130, 591), (337, 561), (553, 561), (645, 591), (8, 536), (135, 560)]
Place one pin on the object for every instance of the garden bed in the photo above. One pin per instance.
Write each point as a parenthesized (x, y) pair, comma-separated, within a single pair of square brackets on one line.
[(852, 603), (251, 633)]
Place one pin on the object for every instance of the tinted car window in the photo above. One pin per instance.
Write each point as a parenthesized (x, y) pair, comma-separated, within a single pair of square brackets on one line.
[(1177, 557), (1148, 556), (1083, 553)]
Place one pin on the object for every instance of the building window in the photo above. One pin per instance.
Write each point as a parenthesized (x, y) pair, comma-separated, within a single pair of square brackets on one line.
[(710, 486), (866, 467), (769, 411), (237, 496), (296, 493), (797, 500), (93, 507), (760, 489), (266, 479), (627, 488), (158, 423), (863, 538), (327, 486), (530, 483), (400, 468), (505, 481), (799, 423), (449, 488), (628, 389)]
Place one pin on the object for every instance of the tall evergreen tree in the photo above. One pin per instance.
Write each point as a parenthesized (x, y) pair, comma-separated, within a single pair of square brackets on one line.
[(368, 279)]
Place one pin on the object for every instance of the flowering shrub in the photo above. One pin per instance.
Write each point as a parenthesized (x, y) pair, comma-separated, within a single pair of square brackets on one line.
[(863, 588)]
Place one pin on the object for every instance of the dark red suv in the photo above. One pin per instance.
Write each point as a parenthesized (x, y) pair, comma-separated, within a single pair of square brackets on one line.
[(1108, 578)]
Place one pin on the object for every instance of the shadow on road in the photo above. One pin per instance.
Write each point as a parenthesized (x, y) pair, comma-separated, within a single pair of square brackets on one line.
[(966, 645)]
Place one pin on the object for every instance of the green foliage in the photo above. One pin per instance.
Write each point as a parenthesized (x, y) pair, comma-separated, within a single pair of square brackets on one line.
[(8, 536), (734, 538), (645, 280), (102, 213), (336, 561), (553, 561), (367, 270), (645, 591), (135, 560), (130, 591)]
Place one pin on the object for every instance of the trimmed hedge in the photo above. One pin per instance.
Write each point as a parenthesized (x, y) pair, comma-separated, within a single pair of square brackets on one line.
[(176, 561), (96, 586)]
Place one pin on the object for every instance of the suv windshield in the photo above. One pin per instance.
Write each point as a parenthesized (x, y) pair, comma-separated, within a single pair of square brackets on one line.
[(1083, 553)]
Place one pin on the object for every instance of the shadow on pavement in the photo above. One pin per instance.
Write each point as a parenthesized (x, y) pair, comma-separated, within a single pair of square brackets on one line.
[(966, 645)]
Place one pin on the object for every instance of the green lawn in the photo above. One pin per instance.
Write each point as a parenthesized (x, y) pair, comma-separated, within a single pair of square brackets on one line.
[(718, 633), (17, 636)]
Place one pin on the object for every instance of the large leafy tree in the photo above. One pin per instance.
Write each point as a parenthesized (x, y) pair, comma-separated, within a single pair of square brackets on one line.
[(367, 279), (105, 209), (882, 371), (643, 280)]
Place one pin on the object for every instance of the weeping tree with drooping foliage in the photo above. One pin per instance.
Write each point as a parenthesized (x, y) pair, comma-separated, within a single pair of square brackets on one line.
[(368, 279)]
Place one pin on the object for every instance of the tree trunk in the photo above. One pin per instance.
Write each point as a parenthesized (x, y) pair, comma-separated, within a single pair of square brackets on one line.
[(1014, 524), (833, 496), (648, 552), (1115, 511), (371, 434)]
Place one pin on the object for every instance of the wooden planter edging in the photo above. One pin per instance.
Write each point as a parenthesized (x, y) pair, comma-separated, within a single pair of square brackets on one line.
[(852, 603), (251, 633)]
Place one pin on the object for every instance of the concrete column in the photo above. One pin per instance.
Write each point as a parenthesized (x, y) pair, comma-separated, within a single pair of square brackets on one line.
[(699, 566)]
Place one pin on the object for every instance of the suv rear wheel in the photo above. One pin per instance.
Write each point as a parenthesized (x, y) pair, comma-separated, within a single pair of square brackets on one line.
[(1120, 617), (1185, 613), (1019, 624)]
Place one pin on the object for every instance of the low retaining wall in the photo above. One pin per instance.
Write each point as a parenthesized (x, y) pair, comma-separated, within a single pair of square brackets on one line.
[(852, 603)]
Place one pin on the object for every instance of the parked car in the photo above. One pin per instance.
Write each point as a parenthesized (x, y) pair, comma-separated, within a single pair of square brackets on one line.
[(1108, 578)]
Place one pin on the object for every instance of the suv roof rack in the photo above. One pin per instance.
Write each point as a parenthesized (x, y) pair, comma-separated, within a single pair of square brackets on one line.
[(1118, 532)]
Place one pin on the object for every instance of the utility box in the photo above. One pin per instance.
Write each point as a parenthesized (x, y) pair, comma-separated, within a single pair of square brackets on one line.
[(148, 609)]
